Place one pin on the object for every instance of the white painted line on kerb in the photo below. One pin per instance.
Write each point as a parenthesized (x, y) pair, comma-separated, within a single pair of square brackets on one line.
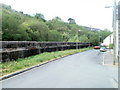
[(103, 62), (114, 83)]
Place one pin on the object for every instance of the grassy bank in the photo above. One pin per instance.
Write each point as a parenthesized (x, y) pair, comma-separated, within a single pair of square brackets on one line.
[(20, 64)]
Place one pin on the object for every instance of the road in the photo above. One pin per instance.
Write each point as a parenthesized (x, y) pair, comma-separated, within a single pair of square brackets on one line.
[(81, 70)]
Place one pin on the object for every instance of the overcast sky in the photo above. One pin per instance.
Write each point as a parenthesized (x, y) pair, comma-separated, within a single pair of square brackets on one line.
[(85, 12)]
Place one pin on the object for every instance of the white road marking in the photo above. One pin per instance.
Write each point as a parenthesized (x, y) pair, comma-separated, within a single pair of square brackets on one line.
[(114, 83), (103, 61)]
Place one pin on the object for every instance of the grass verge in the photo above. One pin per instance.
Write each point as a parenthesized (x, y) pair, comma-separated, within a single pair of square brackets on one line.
[(19, 64)]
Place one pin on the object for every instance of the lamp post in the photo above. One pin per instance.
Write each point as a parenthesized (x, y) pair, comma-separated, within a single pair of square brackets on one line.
[(77, 46)]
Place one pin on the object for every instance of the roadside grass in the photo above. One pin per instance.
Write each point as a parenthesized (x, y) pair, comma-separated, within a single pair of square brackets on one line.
[(19, 64)]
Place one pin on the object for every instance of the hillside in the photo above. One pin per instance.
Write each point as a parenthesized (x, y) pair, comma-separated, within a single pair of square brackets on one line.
[(17, 26)]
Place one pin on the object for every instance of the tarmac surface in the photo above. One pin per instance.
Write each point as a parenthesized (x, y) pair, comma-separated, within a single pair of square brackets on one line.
[(108, 60), (82, 70)]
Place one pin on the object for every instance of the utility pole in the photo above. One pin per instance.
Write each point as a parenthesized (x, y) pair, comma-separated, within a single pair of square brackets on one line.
[(116, 30)]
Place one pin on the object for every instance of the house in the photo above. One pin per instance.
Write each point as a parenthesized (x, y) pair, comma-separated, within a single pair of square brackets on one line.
[(107, 41)]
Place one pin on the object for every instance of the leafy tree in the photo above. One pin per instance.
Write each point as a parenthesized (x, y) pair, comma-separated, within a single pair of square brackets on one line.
[(54, 36), (71, 21), (37, 30), (40, 16), (10, 24)]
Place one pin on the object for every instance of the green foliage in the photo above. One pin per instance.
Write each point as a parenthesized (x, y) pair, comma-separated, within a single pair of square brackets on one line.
[(37, 30), (40, 16), (57, 24), (54, 35), (111, 46), (17, 26), (10, 24), (83, 38)]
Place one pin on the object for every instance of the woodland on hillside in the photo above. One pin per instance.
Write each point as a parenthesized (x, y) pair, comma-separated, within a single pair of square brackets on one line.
[(17, 26)]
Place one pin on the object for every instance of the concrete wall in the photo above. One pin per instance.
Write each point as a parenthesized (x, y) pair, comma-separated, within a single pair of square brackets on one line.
[(119, 31), (116, 30)]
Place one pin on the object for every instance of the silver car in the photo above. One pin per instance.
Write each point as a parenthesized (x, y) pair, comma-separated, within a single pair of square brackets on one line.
[(103, 49)]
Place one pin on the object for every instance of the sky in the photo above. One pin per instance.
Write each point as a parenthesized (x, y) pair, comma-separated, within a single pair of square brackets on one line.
[(90, 13)]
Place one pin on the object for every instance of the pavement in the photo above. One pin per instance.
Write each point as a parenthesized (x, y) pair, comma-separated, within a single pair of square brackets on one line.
[(113, 69), (108, 57)]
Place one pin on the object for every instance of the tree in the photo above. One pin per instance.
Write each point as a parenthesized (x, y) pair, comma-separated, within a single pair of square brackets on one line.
[(10, 24), (54, 36), (40, 16), (37, 30), (71, 21)]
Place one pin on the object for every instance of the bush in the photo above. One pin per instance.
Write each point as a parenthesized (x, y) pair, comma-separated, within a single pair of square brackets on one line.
[(111, 46)]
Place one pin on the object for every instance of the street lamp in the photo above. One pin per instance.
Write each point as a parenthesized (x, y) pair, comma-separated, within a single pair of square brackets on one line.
[(77, 46)]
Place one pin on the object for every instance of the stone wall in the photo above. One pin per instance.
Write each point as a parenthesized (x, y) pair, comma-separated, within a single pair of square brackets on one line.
[(12, 50)]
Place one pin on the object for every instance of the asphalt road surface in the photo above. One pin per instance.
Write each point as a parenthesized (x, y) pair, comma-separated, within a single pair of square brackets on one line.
[(81, 70)]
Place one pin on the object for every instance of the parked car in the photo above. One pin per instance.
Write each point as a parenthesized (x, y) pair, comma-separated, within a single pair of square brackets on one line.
[(103, 49), (96, 47)]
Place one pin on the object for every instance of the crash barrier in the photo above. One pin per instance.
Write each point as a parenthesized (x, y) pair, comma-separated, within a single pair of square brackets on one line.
[(12, 50)]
